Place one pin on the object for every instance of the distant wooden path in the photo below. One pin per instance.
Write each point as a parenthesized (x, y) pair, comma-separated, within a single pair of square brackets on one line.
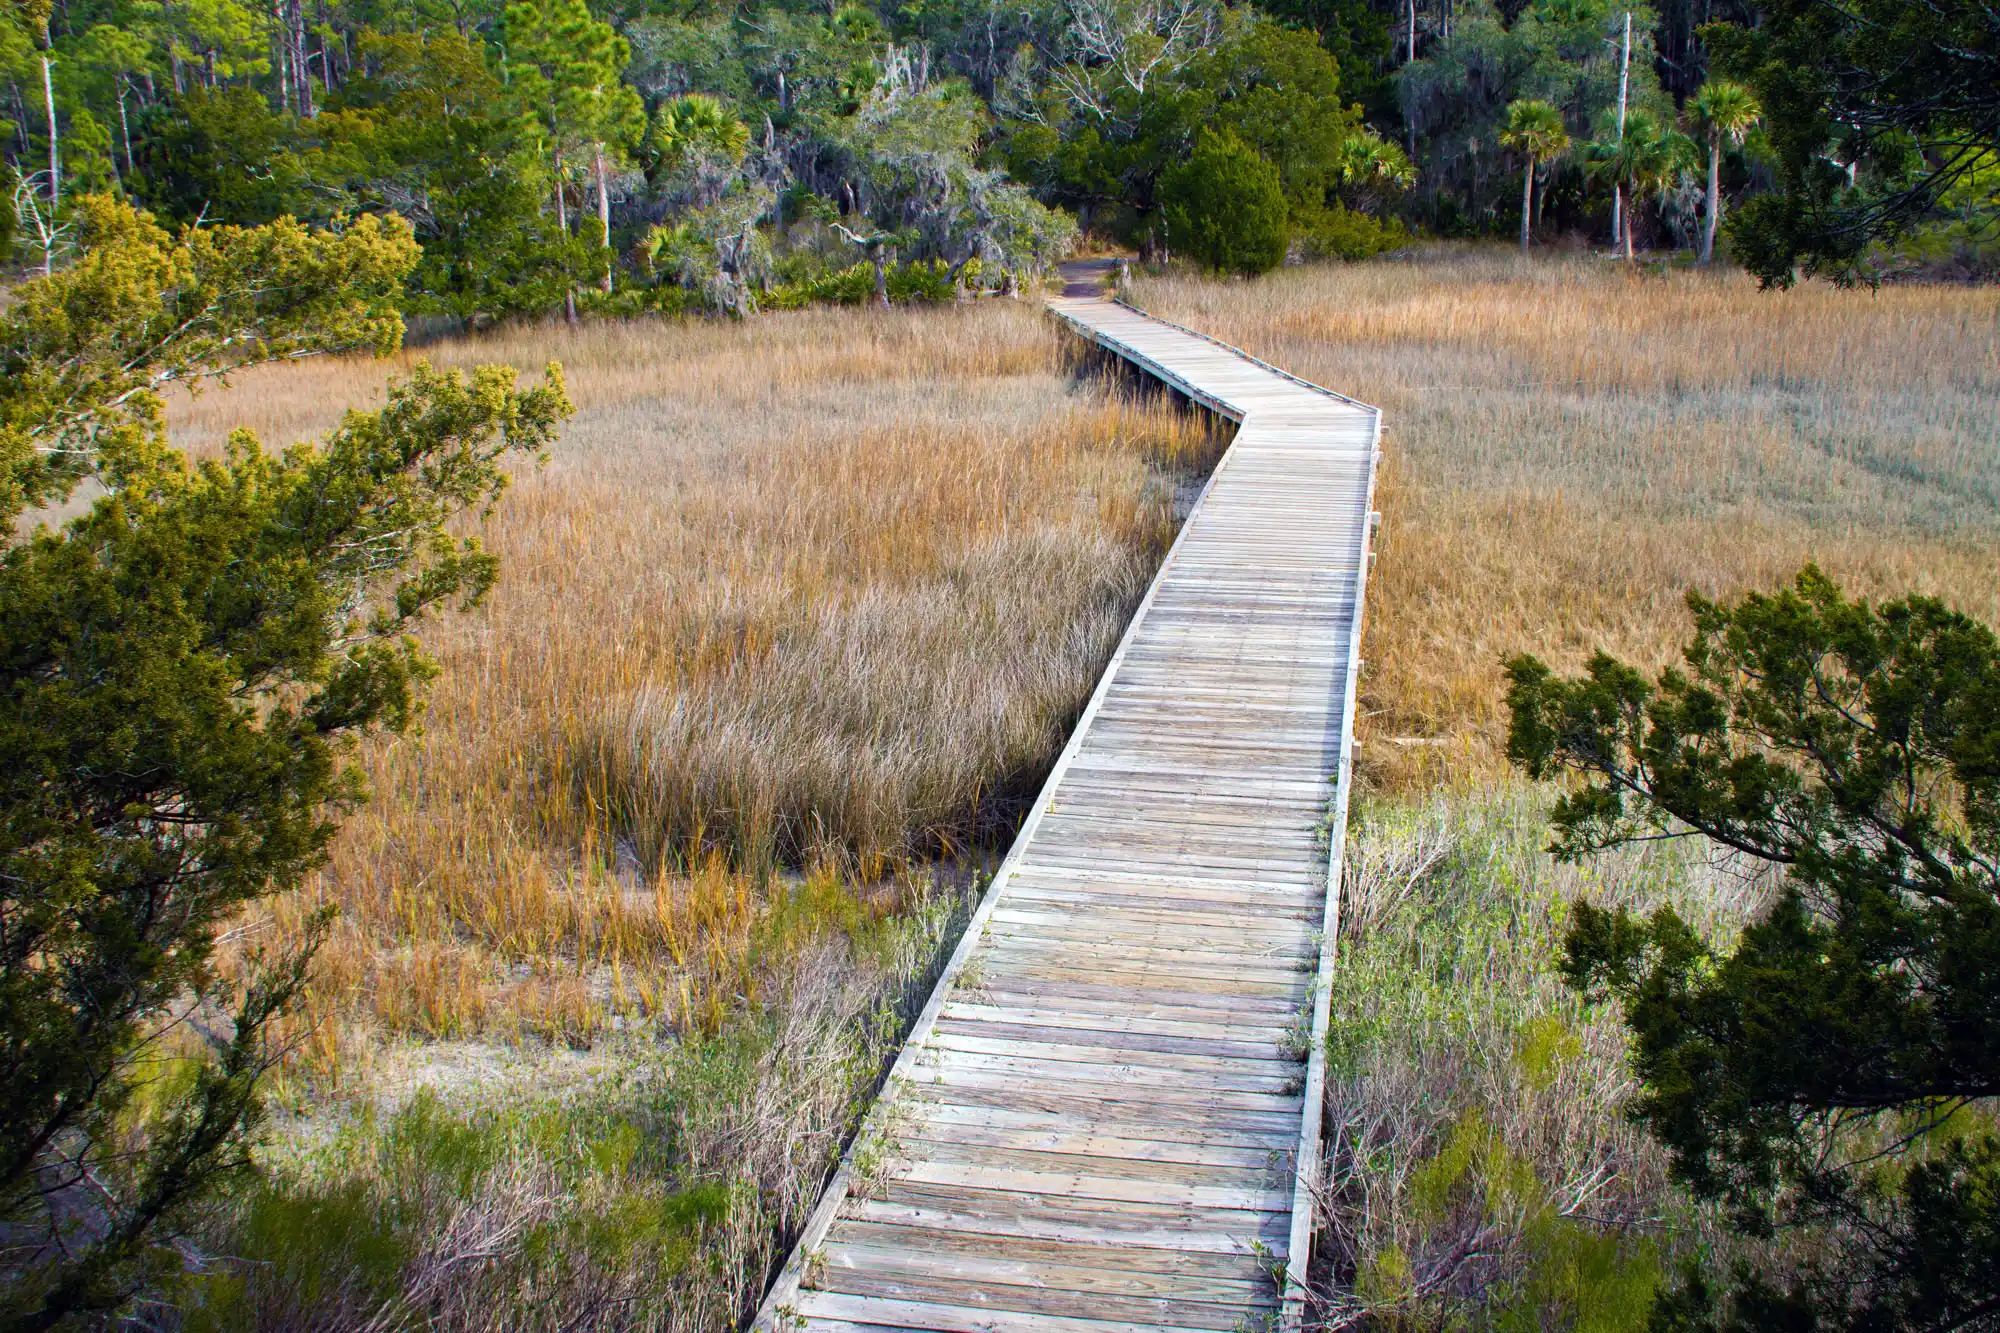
[(1100, 1122)]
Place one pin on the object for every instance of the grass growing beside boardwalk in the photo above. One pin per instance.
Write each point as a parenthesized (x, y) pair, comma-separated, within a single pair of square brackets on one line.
[(654, 1197), (787, 632), (1570, 446), (816, 593)]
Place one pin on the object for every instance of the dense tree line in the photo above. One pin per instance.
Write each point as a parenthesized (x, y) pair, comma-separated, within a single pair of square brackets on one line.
[(717, 155), (549, 154)]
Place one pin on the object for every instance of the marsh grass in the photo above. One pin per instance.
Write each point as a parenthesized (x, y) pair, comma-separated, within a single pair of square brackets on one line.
[(1569, 447), (803, 604), (791, 625), (657, 1196), (808, 599)]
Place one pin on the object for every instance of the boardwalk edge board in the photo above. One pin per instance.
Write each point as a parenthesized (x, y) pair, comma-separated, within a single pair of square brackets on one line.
[(786, 1306)]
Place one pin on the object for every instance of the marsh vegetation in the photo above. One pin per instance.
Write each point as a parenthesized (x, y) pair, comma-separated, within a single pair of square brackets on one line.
[(800, 611), (792, 624)]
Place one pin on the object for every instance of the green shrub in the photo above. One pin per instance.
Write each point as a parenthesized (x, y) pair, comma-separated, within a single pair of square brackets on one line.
[(1482, 1176), (919, 280), (571, 1198), (1341, 233), (1225, 207)]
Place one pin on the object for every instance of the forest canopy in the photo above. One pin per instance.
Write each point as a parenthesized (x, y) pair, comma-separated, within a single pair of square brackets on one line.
[(563, 154)]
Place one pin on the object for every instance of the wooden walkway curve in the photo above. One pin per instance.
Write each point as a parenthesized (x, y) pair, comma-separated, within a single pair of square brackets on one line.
[(1100, 1122)]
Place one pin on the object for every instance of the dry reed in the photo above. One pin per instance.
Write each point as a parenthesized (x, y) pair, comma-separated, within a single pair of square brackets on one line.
[(821, 591), (806, 601), (1570, 446)]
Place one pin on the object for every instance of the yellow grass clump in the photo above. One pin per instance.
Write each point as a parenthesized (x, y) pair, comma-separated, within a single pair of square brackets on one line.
[(816, 595), (1570, 446)]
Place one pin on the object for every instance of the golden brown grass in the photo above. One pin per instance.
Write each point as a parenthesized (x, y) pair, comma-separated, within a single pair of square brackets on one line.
[(1569, 447), (819, 593)]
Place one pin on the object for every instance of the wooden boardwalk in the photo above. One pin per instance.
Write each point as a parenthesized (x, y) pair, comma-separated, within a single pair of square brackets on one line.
[(1100, 1121)]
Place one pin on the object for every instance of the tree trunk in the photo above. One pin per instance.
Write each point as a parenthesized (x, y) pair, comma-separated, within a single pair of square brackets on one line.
[(1709, 223), (281, 45), (1409, 123), (326, 55), (1624, 86), (1628, 240), (562, 224), (124, 124), (604, 212), (295, 41), (49, 104), (1527, 202)]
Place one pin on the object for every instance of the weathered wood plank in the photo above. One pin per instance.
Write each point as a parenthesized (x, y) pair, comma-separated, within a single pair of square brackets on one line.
[(1126, 1261)]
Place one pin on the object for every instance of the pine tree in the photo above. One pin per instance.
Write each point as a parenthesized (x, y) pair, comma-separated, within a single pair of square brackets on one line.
[(567, 70)]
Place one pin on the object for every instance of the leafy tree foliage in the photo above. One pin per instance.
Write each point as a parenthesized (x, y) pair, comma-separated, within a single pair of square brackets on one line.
[(85, 358), (1643, 160), (566, 70), (416, 137), (1836, 1069), (1455, 99), (1136, 89), (1225, 207), (240, 113), (1874, 110), (223, 154), (183, 667)]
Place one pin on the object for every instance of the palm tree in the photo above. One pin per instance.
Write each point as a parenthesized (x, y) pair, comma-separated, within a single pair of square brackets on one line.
[(1535, 130), (1647, 160), (1722, 110)]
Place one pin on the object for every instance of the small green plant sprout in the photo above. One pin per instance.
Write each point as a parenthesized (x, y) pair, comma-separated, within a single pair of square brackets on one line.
[(1546, 1044), (1297, 1040), (875, 1147), (972, 977), (1273, 1266)]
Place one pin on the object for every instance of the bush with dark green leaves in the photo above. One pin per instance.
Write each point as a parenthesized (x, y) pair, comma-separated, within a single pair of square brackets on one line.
[(1833, 1075), (183, 670), (1225, 207)]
